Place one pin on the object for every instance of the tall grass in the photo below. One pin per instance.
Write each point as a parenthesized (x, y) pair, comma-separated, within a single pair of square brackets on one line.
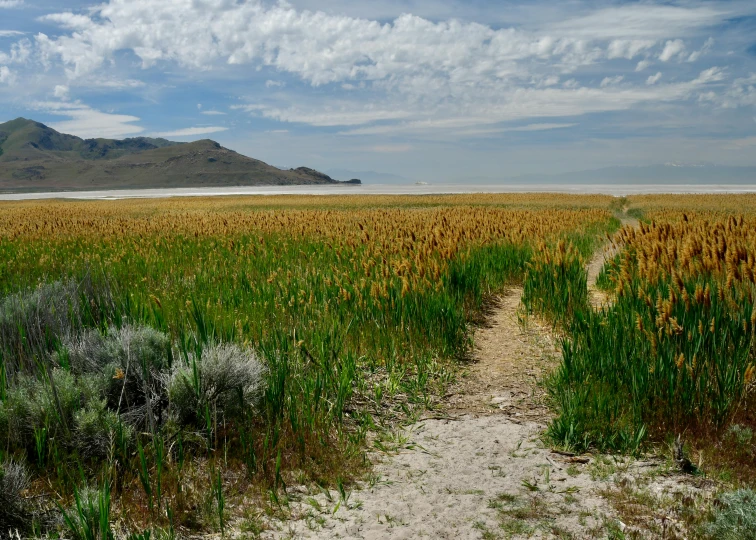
[(675, 350), (237, 338)]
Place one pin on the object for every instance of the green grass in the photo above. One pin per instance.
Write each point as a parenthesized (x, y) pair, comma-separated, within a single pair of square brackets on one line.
[(340, 362)]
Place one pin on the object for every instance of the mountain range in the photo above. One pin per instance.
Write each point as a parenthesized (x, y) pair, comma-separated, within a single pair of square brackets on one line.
[(35, 157)]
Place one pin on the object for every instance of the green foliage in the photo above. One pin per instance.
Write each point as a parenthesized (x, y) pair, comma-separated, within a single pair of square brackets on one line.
[(89, 519), (734, 516)]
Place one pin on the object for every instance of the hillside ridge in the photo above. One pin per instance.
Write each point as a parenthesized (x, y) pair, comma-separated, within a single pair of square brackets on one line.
[(36, 157)]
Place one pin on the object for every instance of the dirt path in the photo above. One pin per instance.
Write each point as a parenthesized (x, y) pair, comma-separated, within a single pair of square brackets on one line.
[(484, 472), (597, 297), (481, 473)]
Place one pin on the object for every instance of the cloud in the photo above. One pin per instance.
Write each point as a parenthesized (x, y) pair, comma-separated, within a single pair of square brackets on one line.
[(87, 122), (6, 75), (610, 81), (60, 91), (20, 52), (188, 132), (10, 33), (653, 79), (696, 55), (8, 4), (213, 113), (409, 75), (671, 49)]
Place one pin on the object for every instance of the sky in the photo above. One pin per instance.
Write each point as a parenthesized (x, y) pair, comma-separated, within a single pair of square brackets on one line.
[(432, 90)]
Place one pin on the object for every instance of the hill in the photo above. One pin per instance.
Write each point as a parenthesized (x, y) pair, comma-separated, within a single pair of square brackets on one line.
[(35, 157)]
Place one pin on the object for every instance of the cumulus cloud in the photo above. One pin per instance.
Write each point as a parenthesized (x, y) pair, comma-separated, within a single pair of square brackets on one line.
[(87, 122), (671, 49), (6, 75), (19, 53), (610, 81), (653, 79), (410, 74), (188, 132), (60, 91), (7, 4)]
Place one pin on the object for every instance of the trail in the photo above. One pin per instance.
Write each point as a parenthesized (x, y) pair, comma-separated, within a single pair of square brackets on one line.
[(597, 297), (483, 471)]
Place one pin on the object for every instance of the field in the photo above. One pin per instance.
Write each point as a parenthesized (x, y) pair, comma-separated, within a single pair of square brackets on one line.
[(173, 365)]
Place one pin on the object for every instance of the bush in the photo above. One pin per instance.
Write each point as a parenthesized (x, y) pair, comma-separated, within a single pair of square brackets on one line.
[(132, 360), (13, 480), (225, 378), (32, 323), (32, 405), (735, 517), (95, 428)]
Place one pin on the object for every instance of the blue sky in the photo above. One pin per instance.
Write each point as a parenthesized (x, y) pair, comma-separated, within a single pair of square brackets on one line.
[(426, 89)]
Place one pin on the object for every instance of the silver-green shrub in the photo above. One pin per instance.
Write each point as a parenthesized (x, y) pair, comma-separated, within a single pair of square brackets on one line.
[(226, 378), (13, 480), (735, 516)]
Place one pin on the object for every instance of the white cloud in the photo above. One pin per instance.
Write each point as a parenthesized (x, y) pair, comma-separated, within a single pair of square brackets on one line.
[(213, 113), (60, 91), (188, 132), (7, 4), (6, 75), (87, 122), (611, 81), (19, 53), (653, 79), (696, 55), (10, 33), (671, 49), (641, 22), (627, 48), (409, 75)]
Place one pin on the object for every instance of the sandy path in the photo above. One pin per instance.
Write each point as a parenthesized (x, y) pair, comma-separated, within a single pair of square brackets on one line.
[(483, 470), (597, 297)]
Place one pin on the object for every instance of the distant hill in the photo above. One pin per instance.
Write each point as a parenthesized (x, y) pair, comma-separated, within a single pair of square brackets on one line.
[(35, 157), (368, 176)]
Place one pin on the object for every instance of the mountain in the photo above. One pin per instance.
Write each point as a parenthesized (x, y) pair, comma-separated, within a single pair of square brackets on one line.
[(368, 176), (35, 157)]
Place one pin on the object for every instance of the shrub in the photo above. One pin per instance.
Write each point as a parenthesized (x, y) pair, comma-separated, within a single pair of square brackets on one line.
[(13, 480), (225, 378), (51, 405), (33, 322), (735, 517), (95, 428), (132, 360)]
